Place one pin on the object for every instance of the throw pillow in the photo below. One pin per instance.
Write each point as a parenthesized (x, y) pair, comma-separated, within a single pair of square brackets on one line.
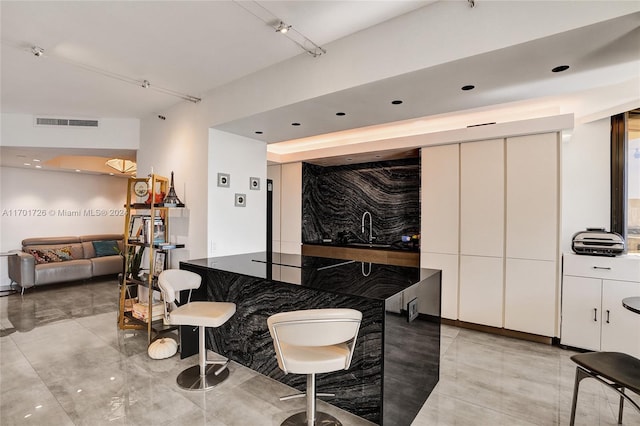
[(61, 254), (105, 248)]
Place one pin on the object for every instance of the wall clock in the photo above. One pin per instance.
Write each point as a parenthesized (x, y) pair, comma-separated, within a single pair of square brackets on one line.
[(141, 188)]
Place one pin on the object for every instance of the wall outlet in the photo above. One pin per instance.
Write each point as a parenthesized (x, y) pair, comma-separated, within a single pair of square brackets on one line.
[(241, 200), (412, 309), (254, 183)]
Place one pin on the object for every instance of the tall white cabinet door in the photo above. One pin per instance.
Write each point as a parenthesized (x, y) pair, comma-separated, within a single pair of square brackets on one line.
[(482, 198), (530, 302), (440, 219), (481, 290), (291, 209), (448, 264), (581, 312), (532, 198), (440, 199), (620, 326)]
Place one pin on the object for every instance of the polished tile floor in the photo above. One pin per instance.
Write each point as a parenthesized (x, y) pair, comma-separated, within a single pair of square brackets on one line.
[(64, 362)]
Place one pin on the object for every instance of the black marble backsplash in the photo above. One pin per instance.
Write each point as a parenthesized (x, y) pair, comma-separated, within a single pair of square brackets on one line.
[(334, 200)]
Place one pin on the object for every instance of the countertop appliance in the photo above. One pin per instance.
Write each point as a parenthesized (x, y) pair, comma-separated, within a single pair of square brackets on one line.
[(597, 242)]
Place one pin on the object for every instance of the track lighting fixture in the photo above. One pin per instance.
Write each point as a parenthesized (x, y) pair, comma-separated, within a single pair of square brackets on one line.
[(266, 16), (39, 52), (472, 3)]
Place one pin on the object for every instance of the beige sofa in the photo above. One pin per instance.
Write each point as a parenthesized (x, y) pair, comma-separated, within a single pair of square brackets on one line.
[(52, 260)]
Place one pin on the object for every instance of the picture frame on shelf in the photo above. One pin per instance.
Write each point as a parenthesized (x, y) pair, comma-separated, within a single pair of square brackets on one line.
[(158, 262), (136, 227)]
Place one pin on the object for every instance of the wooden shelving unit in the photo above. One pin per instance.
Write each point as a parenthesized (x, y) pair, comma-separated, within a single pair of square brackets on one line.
[(146, 231)]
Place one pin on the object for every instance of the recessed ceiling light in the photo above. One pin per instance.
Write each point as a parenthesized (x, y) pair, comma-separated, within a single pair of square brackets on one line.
[(295, 124), (27, 164), (468, 87), (35, 160), (378, 156), (349, 159), (111, 174), (560, 68), (38, 166), (396, 102), (258, 132), (78, 170), (340, 114)]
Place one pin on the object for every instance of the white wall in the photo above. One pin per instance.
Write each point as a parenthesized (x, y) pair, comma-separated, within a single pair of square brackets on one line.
[(232, 229), (111, 133), (585, 174), (38, 203)]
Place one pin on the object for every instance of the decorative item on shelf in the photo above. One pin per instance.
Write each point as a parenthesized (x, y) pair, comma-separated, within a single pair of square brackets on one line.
[(162, 348), (172, 198), (158, 263), (135, 260), (153, 234), (135, 228), (156, 198)]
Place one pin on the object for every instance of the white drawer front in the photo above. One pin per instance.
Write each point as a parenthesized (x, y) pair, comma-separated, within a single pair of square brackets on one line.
[(623, 268)]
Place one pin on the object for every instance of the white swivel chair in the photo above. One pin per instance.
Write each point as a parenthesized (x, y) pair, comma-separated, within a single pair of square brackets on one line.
[(201, 314), (310, 342)]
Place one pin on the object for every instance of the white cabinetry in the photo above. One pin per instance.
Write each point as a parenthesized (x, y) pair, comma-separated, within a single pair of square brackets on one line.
[(592, 313), (532, 234), (490, 222), (482, 232), (440, 176)]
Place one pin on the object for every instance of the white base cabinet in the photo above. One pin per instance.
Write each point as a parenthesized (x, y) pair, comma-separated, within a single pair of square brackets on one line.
[(592, 313)]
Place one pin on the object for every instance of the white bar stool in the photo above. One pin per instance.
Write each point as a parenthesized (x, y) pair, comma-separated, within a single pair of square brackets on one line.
[(202, 314), (310, 342)]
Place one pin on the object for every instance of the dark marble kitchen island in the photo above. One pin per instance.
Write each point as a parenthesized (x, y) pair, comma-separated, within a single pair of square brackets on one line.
[(396, 362)]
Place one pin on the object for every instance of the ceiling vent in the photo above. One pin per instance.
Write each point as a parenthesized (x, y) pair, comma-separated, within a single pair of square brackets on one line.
[(69, 122)]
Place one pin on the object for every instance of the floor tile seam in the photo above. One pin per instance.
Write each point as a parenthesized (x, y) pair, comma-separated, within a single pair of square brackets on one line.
[(483, 407)]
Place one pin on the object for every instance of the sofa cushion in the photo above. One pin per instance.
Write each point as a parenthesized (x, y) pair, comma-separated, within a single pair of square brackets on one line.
[(107, 265), (105, 248), (60, 272), (49, 255)]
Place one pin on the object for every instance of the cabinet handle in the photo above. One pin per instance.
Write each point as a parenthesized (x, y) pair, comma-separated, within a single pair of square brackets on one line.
[(607, 316), (606, 268), (595, 314)]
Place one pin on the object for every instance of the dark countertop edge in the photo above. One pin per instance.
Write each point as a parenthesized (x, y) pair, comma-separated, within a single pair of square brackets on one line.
[(425, 273), (392, 248)]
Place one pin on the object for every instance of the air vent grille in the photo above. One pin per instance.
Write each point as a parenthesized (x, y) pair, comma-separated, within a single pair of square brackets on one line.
[(41, 121)]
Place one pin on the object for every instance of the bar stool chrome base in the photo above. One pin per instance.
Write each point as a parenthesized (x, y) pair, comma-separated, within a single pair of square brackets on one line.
[(322, 419), (190, 378)]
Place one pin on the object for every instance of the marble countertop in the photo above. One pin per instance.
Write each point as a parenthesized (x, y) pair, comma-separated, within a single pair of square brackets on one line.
[(354, 278)]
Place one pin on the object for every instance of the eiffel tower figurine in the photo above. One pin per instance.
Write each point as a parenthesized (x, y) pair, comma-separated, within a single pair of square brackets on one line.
[(172, 198)]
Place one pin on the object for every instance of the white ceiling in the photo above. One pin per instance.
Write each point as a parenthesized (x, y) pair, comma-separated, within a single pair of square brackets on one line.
[(194, 47)]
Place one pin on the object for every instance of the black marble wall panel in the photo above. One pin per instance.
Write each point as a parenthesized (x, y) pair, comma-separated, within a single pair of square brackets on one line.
[(335, 198)]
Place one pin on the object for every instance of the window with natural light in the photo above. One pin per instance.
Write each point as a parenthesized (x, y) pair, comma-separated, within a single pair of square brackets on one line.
[(633, 182)]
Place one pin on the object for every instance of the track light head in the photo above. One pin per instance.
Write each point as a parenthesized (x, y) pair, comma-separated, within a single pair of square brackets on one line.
[(37, 51), (283, 28), (146, 84)]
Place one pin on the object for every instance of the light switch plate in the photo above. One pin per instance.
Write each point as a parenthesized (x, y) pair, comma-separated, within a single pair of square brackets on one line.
[(224, 180), (254, 183), (241, 200)]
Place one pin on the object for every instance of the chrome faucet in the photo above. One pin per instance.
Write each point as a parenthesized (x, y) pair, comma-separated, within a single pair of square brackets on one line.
[(364, 215)]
